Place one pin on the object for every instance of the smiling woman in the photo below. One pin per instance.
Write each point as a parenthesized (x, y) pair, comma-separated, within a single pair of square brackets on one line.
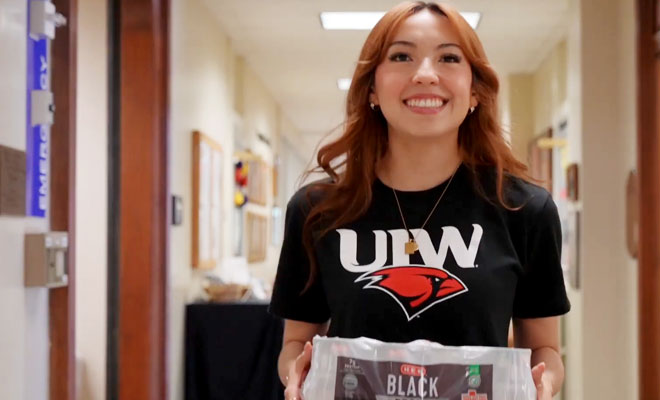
[(428, 205)]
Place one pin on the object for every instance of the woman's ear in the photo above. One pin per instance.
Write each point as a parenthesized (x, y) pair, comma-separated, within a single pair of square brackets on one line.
[(373, 98), (473, 100)]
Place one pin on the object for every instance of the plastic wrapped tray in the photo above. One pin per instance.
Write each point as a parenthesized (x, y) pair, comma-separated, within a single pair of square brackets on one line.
[(367, 369)]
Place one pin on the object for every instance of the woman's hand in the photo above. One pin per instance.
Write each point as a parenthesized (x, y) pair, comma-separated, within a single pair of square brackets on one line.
[(298, 373), (543, 389)]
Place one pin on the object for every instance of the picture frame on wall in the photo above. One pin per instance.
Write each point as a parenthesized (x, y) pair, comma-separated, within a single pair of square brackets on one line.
[(256, 236), (258, 175), (207, 170), (540, 160), (275, 176), (572, 182)]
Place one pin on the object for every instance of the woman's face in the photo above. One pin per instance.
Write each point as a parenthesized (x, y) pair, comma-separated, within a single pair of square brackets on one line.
[(424, 84)]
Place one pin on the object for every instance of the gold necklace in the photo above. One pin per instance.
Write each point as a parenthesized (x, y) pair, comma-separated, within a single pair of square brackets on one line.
[(411, 245)]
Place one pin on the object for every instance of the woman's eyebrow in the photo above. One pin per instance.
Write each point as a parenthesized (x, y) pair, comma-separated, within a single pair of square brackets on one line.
[(411, 44)]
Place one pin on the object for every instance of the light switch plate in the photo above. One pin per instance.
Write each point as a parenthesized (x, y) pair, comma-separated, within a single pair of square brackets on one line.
[(177, 210)]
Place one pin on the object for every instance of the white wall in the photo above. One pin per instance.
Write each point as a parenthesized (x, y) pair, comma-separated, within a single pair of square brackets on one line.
[(91, 199), (23, 312)]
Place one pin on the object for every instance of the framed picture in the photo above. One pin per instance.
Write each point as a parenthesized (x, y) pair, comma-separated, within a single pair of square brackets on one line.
[(540, 160), (257, 236), (258, 174), (276, 167), (572, 182), (206, 202)]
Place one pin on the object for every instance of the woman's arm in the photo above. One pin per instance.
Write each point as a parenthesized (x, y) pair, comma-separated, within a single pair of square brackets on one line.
[(296, 334), (542, 336)]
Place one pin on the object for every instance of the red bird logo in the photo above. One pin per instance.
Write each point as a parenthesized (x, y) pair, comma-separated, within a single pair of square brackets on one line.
[(415, 288)]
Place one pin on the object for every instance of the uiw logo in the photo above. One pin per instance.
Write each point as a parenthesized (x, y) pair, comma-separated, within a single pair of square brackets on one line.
[(451, 240), (416, 288)]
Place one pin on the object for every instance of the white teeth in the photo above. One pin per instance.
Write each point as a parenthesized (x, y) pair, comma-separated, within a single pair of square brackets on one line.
[(428, 103)]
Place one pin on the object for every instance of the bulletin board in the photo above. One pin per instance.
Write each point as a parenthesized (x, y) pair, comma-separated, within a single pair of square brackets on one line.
[(540, 160), (258, 177), (257, 236), (206, 202)]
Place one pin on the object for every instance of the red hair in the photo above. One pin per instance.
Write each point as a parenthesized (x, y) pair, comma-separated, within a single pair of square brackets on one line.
[(351, 160)]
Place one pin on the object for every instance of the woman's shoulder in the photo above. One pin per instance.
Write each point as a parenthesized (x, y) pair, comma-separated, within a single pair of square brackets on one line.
[(519, 194), (309, 195), (532, 197)]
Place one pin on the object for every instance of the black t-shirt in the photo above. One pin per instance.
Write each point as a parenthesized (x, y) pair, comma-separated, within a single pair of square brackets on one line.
[(478, 265)]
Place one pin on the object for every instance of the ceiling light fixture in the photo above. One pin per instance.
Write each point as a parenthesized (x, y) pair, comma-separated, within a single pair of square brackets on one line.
[(365, 20), (344, 83)]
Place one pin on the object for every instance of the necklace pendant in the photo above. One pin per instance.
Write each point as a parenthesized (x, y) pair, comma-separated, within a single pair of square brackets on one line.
[(411, 247)]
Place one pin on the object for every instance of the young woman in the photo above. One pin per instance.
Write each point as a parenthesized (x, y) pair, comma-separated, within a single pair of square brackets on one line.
[(426, 227)]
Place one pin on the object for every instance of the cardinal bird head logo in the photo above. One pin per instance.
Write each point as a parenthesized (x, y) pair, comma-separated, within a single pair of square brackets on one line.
[(415, 288)]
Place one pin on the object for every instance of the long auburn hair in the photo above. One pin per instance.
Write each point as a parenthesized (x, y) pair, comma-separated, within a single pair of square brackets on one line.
[(350, 161)]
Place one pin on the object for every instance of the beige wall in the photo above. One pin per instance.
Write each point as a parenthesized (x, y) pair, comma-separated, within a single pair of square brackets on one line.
[(215, 91), (23, 312), (608, 103), (91, 199), (589, 78), (549, 88), (573, 384), (295, 156), (534, 102), (504, 100), (521, 112), (201, 97), (601, 76), (261, 115)]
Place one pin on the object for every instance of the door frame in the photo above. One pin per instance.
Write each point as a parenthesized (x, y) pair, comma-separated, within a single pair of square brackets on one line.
[(62, 212), (648, 164), (138, 223)]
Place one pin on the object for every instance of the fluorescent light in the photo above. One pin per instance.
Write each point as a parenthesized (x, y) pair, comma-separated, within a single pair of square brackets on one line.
[(350, 20), (344, 83), (472, 18), (365, 20)]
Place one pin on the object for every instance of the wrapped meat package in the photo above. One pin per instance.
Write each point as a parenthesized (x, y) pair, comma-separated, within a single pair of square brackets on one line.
[(367, 369)]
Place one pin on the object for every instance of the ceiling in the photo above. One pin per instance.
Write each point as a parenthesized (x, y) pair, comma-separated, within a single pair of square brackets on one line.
[(299, 62)]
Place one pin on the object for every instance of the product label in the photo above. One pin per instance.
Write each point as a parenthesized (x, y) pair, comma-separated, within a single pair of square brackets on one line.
[(392, 380)]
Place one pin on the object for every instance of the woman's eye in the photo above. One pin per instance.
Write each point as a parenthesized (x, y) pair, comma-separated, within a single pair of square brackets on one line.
[(451, 58), (399, 57)]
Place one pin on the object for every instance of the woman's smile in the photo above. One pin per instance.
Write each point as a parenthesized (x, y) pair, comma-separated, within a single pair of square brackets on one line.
[(426, 106)]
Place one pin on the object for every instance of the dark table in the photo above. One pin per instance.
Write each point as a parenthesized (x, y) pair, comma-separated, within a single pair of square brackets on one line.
[(231, 352)]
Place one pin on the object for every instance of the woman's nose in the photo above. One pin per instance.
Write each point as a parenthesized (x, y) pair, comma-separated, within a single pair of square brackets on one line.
[(426, 73)]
